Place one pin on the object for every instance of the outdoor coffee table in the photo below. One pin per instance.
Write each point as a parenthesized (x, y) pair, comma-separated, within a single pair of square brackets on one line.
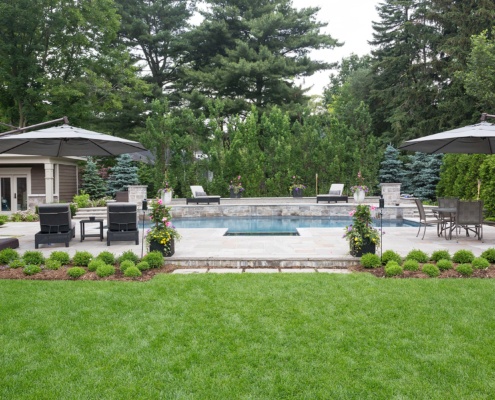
[(83, 223)]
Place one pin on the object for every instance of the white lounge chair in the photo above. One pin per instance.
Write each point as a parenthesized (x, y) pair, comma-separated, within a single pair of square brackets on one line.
[(334, 194), (200, 196)]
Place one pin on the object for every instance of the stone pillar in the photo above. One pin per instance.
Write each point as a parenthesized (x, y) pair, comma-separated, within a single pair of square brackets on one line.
[(137, 193), (391, 193), (49, 183)]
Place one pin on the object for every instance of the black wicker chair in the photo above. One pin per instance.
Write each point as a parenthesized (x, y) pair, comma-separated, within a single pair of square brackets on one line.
[(122, 223), (56, 225)]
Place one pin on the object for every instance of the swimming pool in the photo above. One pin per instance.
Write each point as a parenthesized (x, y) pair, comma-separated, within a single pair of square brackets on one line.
[(276, 225)]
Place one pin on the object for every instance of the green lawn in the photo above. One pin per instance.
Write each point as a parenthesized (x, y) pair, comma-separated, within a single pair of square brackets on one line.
[(283, 336)]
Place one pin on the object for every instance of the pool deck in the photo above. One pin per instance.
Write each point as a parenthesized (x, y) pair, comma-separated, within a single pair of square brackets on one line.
[(314, 248)]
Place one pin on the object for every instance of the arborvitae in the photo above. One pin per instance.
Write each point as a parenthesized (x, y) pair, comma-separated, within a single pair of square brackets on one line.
[(122, 175), (93, 184), (391, 170)]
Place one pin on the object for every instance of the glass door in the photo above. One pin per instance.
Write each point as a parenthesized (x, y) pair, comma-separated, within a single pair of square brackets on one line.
[(6, 194), (20, 194)]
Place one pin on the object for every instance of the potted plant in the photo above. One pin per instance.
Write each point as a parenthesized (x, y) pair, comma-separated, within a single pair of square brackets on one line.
[(162, 235), (165, 193), (362, 237), (236, 188), (297, 188), (359, 191)]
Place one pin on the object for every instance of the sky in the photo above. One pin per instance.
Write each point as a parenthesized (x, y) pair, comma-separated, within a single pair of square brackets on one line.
[(348, 21)]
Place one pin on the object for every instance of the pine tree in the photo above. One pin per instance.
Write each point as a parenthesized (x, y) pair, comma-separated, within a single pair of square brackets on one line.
[(122, 175), (391, 170), (93, 184), (425, 173)]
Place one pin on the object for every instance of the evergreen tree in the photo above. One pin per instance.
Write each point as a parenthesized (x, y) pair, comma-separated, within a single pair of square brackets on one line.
[(391, 170), (122, 175), (93, 184), (424, 171)]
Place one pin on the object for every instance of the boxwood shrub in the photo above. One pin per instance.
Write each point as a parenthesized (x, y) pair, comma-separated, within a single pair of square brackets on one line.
[(489, 254), (465, 269), (7, 255), (61, 256), (440, 255), (142, 266), (480, 263), (370, 260), (129, 255), (76, 272), (431, 270), (393, 269), (34, 257), (444, 265), (31, 269), (463, 256), (132, 272), (95, 263), (418, 255), (126, 264), (17, 263), (410, 265), (390, 255), (53, 264), (105, 270), (106, 256), (155, 259), (82, 258)]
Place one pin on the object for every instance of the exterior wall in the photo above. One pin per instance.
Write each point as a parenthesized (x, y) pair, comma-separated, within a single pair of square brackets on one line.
[(38, 179), (67, 182)]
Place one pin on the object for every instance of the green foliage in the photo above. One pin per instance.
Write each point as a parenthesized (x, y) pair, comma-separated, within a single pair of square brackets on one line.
[(7, 255), (76, 272), (107, 257), (480, 263), (93, 184), (463, 256), (465, 269), (33, 257), (132, 272), (410, 265), (82, 258), (390, 255), (128, 255), (3, 219), (154, 259), (440, 255), (24, 216), (143, 266), (393, 269), (361, 230), (444, 264), (418, 255), (431, 270), (61, 256), (105, 270), (31, 269), (73, 209), (82, 200), (370, 260), (52, 264), (489, 254), (17, 263), (95, 263), (391, 169), (122, 175), (126, 264)]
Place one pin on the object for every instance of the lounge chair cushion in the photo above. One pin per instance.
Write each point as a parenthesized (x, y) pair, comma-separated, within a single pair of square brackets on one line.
[(334, 192), (200, 194)]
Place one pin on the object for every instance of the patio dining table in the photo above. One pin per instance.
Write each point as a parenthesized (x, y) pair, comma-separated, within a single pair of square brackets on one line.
[(447, 224)]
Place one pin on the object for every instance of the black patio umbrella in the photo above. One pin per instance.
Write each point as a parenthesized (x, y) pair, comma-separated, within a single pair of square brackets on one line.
[(476, 139), (66, 140)]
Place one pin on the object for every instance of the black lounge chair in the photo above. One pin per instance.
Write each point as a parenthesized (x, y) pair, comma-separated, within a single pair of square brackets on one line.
[(334, 194), (122, 223), (56, 225), (200, 196)]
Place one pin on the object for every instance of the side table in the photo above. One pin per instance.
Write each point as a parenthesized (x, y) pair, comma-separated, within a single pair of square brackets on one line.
[(83, 223)]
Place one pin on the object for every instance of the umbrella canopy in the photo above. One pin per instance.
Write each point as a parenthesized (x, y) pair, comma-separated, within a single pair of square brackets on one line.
[(66, 140), (476, 139)]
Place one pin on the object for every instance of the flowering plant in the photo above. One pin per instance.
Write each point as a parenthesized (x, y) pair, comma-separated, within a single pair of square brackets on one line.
[(296, 184), (361, 230), (360, 185), (166, 188), (236, 185), (163, 231)]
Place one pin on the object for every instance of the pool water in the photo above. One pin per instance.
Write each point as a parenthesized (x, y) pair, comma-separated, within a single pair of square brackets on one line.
[(276, 225)]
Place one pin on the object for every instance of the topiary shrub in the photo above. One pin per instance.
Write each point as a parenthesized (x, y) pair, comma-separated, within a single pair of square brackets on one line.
[(480, 263), (76, 272), (31, 269), (52, 264), (418, 255), (489, 254), (463, 256), (391, 255), (17, 263), (106, 256), (94, 264), (465, 269), (393, 269), (431, 270), (82, 258), (155, 259), (33, 257), (105, 270), (143, 266), (444, 265), (128, 255), (7, 255), (410, 265), (126, 264), (440, 255), (132, 272), (61, 256)]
